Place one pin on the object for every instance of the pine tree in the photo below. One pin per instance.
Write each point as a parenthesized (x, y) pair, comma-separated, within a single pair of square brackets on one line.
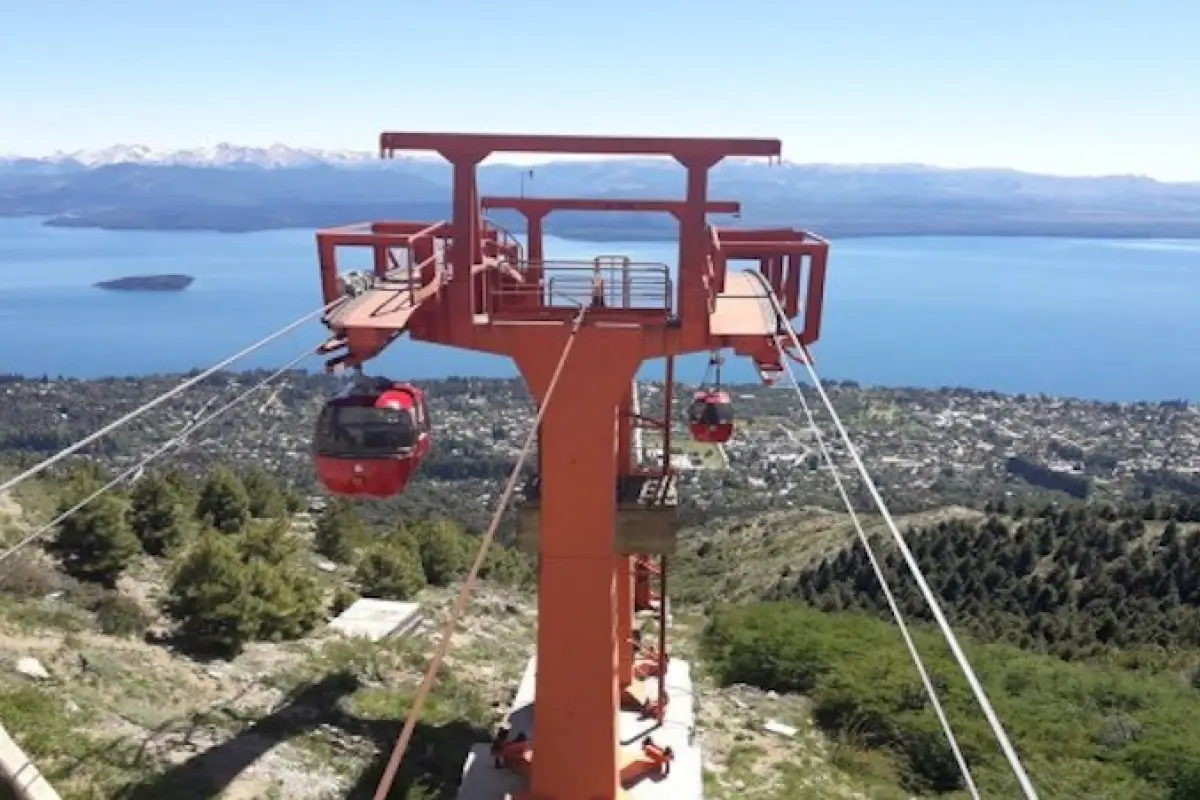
[(229, 590), (281, 583), (294, 500), (209, 596), (266, 499), (339, 531), (287, 601), (443, 551), (182, 487), (95, 543), (390, 570), (1170, 534), (269, 542), (223, 502), (156, 514)]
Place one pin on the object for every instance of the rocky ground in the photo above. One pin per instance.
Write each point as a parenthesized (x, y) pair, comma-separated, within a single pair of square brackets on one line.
[(758, 744), (106, 716)]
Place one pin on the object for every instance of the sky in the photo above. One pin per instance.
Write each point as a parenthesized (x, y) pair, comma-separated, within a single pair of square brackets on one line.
[(1059, 86)]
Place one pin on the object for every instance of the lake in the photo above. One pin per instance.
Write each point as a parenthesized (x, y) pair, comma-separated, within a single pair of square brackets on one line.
[(1104, 319)]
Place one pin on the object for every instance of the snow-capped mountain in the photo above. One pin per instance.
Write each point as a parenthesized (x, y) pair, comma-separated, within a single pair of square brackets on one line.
[(229, 187), (613, 173), (220, 155)]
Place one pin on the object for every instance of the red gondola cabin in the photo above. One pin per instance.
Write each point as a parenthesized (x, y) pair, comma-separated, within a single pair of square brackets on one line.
[(710, 417), (370, 442), (770, 372)]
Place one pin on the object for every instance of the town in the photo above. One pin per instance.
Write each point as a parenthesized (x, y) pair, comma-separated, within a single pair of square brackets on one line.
[(924, 448)]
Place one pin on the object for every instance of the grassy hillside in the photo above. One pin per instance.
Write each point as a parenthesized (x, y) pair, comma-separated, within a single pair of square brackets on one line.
[(1083, 730), (745, 559)]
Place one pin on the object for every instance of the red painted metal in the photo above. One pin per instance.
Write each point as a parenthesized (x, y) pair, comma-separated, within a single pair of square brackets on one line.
[(465, 283), (644, 596), (371, 444)]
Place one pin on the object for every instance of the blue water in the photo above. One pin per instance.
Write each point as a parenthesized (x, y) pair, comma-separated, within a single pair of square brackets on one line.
[(1102, 319)]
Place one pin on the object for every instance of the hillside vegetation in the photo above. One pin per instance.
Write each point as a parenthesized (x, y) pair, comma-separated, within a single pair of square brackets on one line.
[(1083, 621), (181, 618), (1082, 730), (1076, 582), (746, 558), (181, 629)]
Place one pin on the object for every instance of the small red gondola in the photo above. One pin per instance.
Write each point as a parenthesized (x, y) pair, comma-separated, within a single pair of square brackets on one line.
[(370, 442), (770, 372), (710, 417)]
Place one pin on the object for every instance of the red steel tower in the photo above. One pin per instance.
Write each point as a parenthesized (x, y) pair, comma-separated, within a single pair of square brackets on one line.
[(593, 517)]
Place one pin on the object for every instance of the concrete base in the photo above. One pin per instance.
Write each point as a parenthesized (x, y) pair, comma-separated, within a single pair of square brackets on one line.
[(377, 619), (481, 781)]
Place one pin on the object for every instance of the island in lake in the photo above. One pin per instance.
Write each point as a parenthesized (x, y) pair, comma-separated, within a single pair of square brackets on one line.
[(148, 283)]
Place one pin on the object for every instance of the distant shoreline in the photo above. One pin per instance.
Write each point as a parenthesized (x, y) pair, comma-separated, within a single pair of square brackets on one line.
[(617, 233), (255, 373)]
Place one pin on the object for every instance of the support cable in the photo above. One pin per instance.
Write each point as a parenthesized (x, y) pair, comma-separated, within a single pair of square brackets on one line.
[(1010, 753), (887, 592), (464, 594), (176, 441), (42, 466)]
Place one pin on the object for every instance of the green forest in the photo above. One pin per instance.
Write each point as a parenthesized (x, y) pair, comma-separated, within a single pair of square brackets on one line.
[(1076, 582)]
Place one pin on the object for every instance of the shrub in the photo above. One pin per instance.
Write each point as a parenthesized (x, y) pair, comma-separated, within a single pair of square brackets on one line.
[(85, 595), (391, 570), (343, 598), (339, 532), (29, 579), (508, 566), (118, 615)]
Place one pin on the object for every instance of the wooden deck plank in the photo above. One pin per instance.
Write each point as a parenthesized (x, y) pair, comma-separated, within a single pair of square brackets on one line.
[(388, 306), (743, 309)]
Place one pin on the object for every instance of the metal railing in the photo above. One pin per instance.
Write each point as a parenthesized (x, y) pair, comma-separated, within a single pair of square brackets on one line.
[(504, 238), (612, 282)]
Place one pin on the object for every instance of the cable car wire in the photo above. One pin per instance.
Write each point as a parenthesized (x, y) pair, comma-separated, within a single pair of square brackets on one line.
[(964, 663), (464, 594), (42, 466), (887, 592), (179, 440)]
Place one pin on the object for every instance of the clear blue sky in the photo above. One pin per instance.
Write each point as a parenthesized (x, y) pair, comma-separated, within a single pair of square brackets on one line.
[(1062, 86)]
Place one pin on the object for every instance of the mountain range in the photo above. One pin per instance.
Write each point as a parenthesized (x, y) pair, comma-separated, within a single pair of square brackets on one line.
[(232, 188)]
